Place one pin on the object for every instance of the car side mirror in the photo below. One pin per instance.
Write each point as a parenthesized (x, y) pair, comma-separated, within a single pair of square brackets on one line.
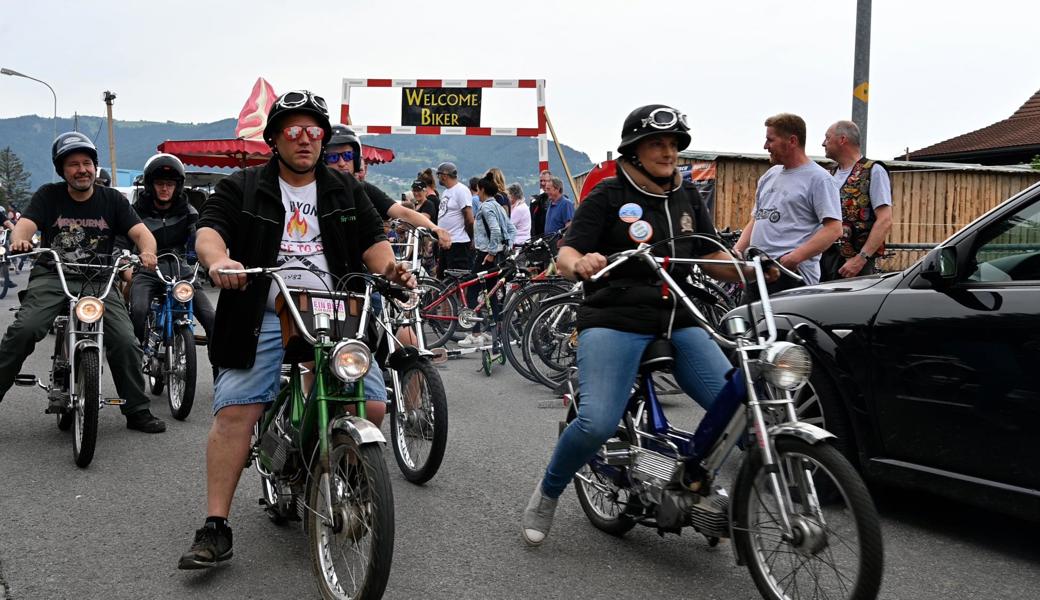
[(939, 266)]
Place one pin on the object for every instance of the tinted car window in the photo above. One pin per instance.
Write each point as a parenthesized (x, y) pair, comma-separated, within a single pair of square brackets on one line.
[(1010, 250)]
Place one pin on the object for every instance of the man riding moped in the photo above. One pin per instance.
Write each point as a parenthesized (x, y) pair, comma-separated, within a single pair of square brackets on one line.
[(622, 314), (80, 221)]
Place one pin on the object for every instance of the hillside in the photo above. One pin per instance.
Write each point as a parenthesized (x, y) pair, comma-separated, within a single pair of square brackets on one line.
[(30, 137)]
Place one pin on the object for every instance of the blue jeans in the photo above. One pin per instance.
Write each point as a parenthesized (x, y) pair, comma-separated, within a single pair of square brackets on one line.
[(608, 362)]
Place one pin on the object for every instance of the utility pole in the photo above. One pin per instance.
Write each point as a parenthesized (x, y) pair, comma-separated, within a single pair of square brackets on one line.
[(109, 98), (861, 71)]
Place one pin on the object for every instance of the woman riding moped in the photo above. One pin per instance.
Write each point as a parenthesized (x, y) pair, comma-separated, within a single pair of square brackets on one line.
[(623, 313)]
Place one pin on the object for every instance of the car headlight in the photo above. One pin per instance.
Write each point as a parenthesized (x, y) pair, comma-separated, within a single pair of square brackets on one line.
[(786, 365), (89, 309), (410, 303), (350, 360), (183, 291)]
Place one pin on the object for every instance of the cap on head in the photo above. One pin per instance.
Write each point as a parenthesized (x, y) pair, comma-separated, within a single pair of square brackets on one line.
[(650, 120), (297, 102), (449, 169), (418, 186)]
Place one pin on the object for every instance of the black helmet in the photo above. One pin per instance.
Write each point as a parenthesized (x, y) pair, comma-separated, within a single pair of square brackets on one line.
[(67, 143), (653, 119), (163, 166), (449, 169), (103, 178), (297, 101), (345, 136)]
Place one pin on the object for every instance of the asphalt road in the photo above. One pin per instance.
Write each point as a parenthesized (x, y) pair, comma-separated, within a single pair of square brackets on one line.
[(116, 529)]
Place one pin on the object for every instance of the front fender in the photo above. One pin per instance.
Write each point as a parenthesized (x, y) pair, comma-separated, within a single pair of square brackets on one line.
[(805, 432), (363, 431)]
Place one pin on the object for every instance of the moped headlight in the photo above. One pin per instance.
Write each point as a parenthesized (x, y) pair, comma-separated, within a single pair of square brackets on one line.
[(410, 303), (350, 360), (786, 365), (183, 291), (89, 309)]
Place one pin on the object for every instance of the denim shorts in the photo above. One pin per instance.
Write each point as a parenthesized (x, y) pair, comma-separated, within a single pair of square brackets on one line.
[(259, 383)]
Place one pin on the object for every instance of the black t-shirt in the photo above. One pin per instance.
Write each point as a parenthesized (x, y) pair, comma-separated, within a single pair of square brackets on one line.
[(79, 230), (379, 199), (429, 208), (629, 299)]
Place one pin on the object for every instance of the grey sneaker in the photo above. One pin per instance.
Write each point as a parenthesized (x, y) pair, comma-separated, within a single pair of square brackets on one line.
[(538, 517)]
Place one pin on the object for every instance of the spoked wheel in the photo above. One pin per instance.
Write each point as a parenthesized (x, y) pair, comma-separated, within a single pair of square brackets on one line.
[(515, 316), (831, 550), (86, 405), (485, 362), (439, 313), (550, 343), (419, 423), (604, 502), (350, 521), (153, 366), (180, 373)]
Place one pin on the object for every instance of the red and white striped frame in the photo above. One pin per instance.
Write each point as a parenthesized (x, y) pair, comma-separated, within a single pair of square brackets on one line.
[(536, 84)]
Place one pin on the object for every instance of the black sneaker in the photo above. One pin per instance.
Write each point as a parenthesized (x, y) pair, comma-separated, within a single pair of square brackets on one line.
[(212, 545), (145, 421)]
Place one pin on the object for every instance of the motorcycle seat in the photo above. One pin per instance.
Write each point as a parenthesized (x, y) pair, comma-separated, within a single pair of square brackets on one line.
[(658, 356)]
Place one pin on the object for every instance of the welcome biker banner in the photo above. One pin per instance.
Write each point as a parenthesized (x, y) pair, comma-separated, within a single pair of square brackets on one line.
[(449, 107)]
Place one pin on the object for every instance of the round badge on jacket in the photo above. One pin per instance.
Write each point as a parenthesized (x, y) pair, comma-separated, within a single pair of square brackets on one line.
[(640, 232), (630, 213)]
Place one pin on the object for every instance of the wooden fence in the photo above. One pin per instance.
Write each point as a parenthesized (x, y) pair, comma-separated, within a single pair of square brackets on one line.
[(928, 205)]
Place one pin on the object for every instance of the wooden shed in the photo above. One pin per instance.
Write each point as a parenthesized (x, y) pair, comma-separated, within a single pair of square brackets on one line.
[(930, 201)]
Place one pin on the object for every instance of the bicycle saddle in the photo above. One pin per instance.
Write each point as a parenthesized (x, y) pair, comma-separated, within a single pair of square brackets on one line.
[(457, 273), (658, 356)]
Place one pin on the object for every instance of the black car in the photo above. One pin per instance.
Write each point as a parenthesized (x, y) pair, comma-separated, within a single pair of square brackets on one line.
[(931, 377)]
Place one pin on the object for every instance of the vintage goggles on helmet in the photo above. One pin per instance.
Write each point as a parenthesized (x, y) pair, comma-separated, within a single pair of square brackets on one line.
[(333, 157), (297, 99), (665, 118), (293, 132)]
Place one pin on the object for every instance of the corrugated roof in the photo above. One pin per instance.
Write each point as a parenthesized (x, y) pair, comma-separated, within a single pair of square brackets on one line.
[(1022, 129)]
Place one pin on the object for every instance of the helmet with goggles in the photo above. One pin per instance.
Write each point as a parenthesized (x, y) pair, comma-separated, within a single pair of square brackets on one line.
[(297, 102), (651, 120), (345, 136)]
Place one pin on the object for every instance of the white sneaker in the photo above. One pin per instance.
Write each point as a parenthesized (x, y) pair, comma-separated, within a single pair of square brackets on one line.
[(487, 339), (471, 341)]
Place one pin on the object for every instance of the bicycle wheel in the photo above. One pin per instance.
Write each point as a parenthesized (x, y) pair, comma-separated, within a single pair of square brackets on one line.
[(352, 547), (834, 549), (439, 313), (180, 373), (86, 406), (550, 342), (515, 317), (419, 422), (604, 502)]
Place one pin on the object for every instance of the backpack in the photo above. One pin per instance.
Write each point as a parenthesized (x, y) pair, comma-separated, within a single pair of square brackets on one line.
[(505, 225)]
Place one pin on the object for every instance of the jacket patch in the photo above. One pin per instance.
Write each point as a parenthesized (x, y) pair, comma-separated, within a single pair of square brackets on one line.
[(686, 223)]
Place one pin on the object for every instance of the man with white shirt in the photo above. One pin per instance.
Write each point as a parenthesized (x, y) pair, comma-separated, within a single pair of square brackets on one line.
[(865, 194), (292, 211), (456, 216), (796, 214)]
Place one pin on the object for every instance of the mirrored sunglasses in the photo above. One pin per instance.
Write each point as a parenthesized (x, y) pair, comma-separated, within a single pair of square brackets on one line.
[(293, 132), (334, 157)]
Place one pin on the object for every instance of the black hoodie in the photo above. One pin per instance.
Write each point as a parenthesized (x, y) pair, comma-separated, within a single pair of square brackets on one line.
[(174, 227)]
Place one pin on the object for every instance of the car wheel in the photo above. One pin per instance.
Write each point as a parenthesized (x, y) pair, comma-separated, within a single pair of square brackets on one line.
[(819, 403)]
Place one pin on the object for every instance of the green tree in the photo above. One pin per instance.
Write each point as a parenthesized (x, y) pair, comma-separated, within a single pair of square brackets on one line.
[(14, 180), (1036, 162)]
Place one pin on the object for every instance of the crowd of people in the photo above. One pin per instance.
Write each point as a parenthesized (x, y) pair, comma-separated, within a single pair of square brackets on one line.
[(311, 206)]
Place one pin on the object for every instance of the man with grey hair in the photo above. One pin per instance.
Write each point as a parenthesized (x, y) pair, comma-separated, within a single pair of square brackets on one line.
[(560, 209), (865, 192)]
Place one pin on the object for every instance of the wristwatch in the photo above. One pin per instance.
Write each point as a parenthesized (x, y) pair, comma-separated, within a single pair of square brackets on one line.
[(862, 255)]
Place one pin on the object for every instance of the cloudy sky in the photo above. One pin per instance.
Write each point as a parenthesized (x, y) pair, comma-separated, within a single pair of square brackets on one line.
[(938, 68)]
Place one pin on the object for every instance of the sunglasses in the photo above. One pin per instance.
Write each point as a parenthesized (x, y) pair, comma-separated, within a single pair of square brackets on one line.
[(295, 99), (664, 118), (334, 157), (293, 132)]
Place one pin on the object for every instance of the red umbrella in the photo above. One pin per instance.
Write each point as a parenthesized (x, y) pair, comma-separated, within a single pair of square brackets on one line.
[(239, 153)]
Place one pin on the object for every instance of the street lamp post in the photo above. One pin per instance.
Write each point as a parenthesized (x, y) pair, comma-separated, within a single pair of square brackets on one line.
[(13, 73)]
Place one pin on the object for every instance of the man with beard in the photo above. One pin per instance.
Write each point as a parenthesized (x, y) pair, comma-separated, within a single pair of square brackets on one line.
[(80, 221)]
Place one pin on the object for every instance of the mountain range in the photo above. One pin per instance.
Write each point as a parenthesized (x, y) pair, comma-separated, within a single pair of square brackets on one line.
[(30, 137)]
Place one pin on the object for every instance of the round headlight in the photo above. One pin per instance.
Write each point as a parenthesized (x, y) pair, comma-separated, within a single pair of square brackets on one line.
[(89, 309), (350, 360), (183, 291), (410, 303), (786, 365)]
